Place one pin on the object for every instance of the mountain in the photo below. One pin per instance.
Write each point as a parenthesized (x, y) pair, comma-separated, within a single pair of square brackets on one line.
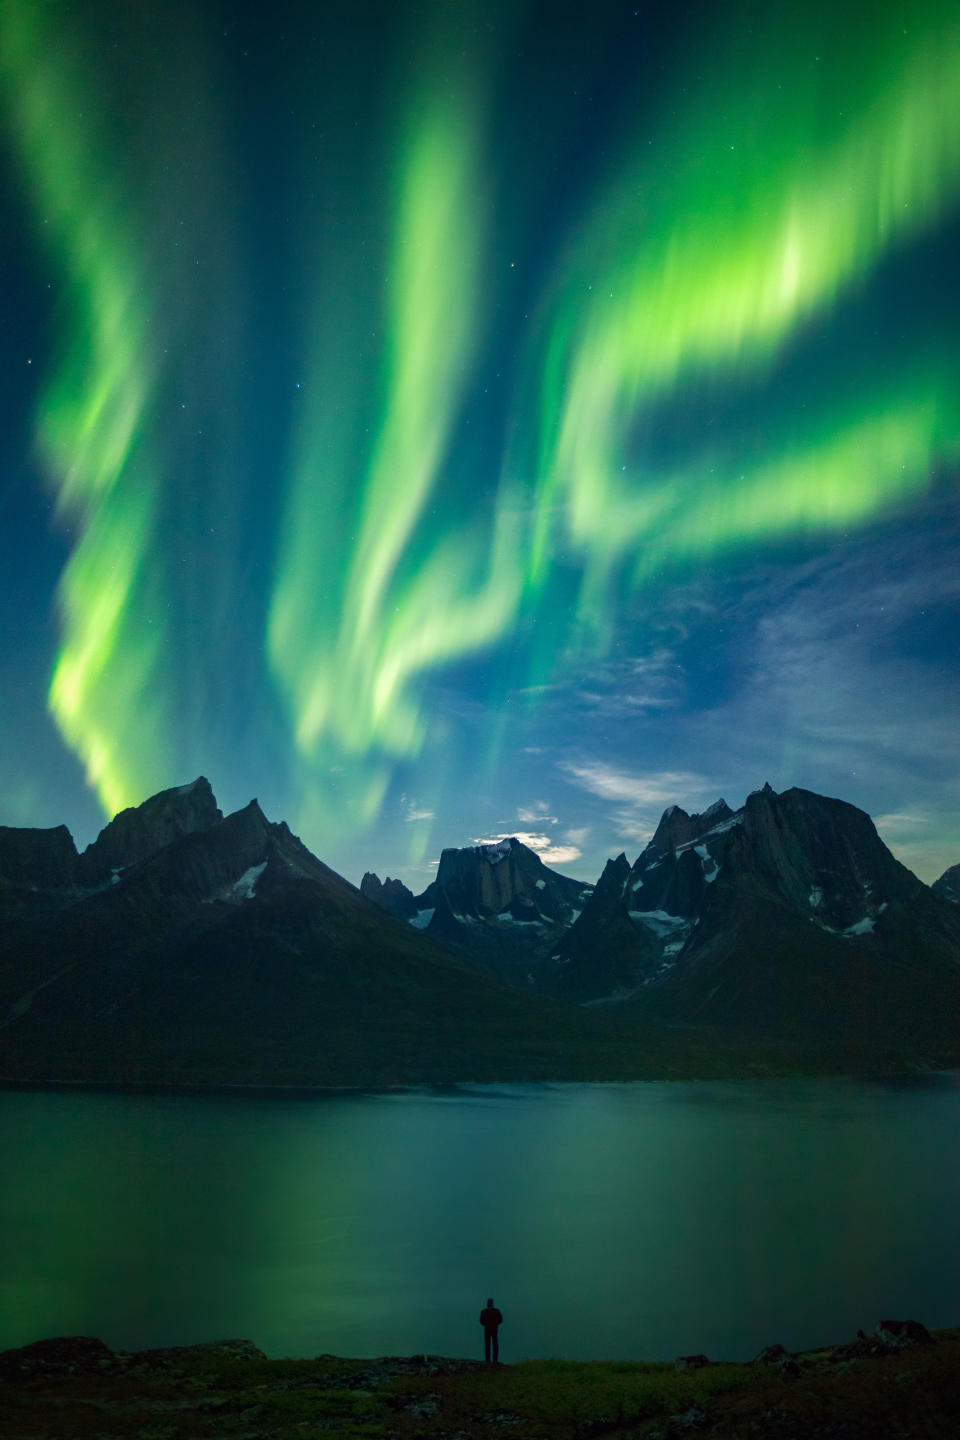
[(501, 906), (35, 859), (787, 918), (391, 895), (187, 947), (33, 862), (949, 884), (221, 951), (141, 831)]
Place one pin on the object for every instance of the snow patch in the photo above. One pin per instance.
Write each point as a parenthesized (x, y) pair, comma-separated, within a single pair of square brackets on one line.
[(720, 829), (495, 853), (815, 899), (245, 888), (422, 919), (541, 884), (660, 922), (710, 867), (862, 927)]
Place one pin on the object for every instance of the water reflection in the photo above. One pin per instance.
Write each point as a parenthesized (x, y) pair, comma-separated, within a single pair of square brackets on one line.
[(611, 1220)]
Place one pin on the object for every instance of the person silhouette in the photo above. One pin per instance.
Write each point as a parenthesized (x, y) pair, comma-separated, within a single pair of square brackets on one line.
[(491, 1320)]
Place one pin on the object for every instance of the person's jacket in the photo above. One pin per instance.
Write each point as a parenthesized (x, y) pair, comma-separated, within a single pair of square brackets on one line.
[(490, 1319)]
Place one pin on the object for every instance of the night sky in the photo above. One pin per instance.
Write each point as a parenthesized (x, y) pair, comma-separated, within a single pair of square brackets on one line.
[(452, 420)]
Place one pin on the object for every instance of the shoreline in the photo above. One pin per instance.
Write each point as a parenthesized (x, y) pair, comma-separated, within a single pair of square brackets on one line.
[(255, 1090), (902, 1380)]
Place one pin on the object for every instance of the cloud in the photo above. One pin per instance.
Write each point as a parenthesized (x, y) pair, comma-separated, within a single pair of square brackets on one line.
[(536, 814), (413, 811), (899, 822), (839, 677), (549, 852), (625, 686), (641, 797), (650, 788)]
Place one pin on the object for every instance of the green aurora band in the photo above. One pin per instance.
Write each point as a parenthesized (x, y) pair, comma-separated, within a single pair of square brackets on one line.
[(763, 199), (91, 414), (793, 182), (353, 685)]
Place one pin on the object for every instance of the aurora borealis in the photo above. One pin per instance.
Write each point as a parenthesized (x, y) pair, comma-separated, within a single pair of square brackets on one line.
[(451, 420)]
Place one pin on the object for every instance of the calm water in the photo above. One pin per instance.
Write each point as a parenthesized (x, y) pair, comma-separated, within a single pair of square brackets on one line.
[(621, 1221)]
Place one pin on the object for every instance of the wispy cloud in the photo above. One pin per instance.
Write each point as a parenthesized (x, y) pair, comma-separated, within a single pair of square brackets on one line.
[(544, 845), (413, 811), (536, 814), (841, 680), (640, 797), (624, 686), (645, 789)]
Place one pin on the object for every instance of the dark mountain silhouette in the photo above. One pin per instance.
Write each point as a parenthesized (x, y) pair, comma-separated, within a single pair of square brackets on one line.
[(220, 950), (391, 895), (500, 905), (186, 947), (789, 917), (949, 884)]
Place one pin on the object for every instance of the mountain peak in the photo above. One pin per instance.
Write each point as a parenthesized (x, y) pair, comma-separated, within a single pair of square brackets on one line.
[(391, 895), (140, 831), (949, 884), (38, 858)]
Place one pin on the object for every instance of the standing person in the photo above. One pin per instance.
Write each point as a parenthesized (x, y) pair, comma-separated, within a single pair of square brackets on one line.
[(491, 1320)]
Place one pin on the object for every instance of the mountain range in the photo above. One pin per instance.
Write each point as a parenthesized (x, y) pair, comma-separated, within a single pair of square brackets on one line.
[(187, 948)]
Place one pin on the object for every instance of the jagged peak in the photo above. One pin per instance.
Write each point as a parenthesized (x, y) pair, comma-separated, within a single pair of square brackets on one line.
[(201, 782), (142, 830)]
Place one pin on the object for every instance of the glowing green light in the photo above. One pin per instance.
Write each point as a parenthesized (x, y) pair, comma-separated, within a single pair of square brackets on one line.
[(351, 682), (768, 212), (90, 412)]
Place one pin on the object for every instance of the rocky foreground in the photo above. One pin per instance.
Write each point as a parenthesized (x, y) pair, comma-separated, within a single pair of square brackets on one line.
[(901, 1383)]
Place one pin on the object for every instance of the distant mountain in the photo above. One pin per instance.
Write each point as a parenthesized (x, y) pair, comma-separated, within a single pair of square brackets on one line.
[(391, 895), (496, 903), (949, 884), (185, 947), (220, 950), (33, 861), (788, 917)]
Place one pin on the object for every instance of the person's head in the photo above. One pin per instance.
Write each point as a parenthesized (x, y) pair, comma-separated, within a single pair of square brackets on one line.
[(490, 1301)]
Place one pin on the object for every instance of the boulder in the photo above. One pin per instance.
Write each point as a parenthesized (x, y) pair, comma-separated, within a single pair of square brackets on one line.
[(690, 1362), (771, 1355), (900, 1333), (64, 1355)]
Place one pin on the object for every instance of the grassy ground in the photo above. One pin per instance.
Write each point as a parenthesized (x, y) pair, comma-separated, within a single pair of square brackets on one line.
[(204, 1393)]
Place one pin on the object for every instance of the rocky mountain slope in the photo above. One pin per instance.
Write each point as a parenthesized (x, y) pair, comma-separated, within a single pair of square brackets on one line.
[(949, 884), (789, 916), (221, 950), (498, 903), (188, 947)]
